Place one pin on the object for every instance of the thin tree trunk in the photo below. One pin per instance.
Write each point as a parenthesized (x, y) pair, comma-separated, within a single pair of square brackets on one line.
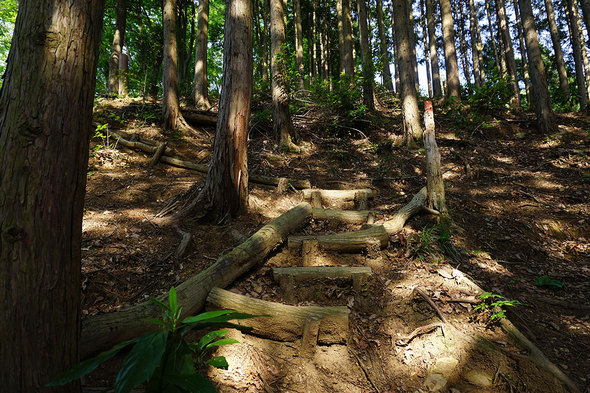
[(201, 87), (577, 52), (117, 48), (367, 58), (45, 125), (413, 46), (395, 49), (561, 71), (475, 44), (170, 104), (299, 42), (341, 49), (426, 58), (191, 41), (542, 102), (282, 125), (324, 43), (508, 51), (452, 67), (459, 16), (314, 44), (181, 27), (436, 86), (492, 35), (265, 42), (482, 72), (348, 39), (225, 194), (523, 57), (586, 13), (583, 46), (386, 72), (408, 96)]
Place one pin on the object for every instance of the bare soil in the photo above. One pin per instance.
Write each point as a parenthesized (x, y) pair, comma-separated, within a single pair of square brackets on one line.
[(518, 211)]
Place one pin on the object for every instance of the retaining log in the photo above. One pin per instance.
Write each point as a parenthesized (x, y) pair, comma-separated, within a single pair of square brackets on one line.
[(346, 241)]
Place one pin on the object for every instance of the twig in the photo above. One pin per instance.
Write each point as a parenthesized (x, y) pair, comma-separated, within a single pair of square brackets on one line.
[(362, 366), (354, 129), (421, 292), (403, 341)]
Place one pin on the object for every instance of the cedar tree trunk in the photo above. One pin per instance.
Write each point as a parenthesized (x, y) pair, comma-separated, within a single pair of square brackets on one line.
[(367, 58), (436, 87), (453, 85), (387, 81), (201, 88)]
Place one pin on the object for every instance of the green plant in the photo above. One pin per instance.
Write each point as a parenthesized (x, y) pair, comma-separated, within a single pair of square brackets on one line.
[(492, 304), (546, 281), (162, 359)]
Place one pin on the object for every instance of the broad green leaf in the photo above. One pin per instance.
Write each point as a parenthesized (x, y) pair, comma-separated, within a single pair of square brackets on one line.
[(172, 300), (88, 365), (218, 362), (142, 361), (179, 358), (207, 338), (223, 341), (159, 303), (194, 383), (204, 317)]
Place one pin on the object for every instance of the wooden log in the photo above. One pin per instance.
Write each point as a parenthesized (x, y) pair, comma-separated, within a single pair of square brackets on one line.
[(346, 241), (344, 216), (339, 198), (179, 162), (309, 341), (157, 154), (285, 322), (397, 222), (103, 331), (205, 119), (318, 272), (435, 186)]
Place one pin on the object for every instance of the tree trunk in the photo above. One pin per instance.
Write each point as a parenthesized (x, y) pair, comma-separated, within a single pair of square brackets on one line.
[(414, 58), (561, 70), (523, 57), (386, 72), (425, 42), (314, 43), (435, 186), (436, 87), (281, 119), (265, 42), (545, 116), (459, 16), (225, 193), (345, 34), (117, 48), (299, 41), (395, 50), (201, 88), (452, 67), (366, 56), (475, 44), (170, 104), (325, 43), (492, 35), (508, 51), (583, 46), (577, 52), (45, 126), (411, 116)]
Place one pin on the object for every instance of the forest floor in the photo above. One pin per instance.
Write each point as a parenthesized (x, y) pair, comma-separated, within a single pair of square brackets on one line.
[(518, 226)]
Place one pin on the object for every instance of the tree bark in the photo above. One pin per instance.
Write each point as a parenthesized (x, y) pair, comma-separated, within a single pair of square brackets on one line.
[(459, 16), (266, 40), (102, 331), (346, 241), (508, 51), (386, 72), (452, 67), (299, 41), (117, 48), (201, 88), (577, 52), (583, 47), (225, 194), (523, 57), (475, 44), (170, 104), (366, 56), (346, 44), (492, 35), (436, 86), (426, 57), (45, 126), (542, 103), (435, 186), (281, 119), (555, 39), (409, 97)]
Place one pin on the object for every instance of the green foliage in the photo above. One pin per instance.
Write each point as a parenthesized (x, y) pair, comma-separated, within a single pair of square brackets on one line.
[(492, 304), (492, 97), (162, 359), (434, 241), (8, 11), (545, 281), (287, 70)]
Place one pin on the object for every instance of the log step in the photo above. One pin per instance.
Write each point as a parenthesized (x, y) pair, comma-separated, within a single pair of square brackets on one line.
[(345, 216), (346, 199), (287, 276), (285, 322), (346, 241)]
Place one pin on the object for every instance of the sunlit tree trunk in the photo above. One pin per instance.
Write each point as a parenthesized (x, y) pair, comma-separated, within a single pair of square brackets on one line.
[(426, 57), (413, 45), (555, 39), (117, 48), (313, 42), (577, 52), (281, 119), (475, 44), (586, 13), (459, 17), (583, 47), (542, 103), (173, 119), (387, 81), (45, 127), (436, 86), (508, 51), (408, 94), (395, 49), (266, 41), (325, 42), (452, 67), (523, 57), (492, 38), (201, 88), (367, 59), (348, 39), (298, 41)]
